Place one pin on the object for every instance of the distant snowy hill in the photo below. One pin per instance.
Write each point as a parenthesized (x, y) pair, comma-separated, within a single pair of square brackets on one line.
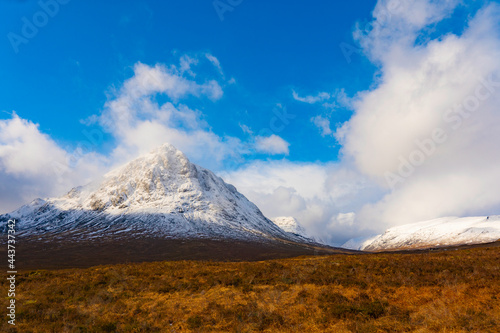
[(290, 225), (441, 232), (159, 194), (359, 243)]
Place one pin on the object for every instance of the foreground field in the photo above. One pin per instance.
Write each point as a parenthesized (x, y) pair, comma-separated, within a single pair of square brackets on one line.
[(449, 291)]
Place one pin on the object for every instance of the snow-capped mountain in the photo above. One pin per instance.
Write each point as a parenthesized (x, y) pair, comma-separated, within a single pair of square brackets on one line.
[(441, 232), (359, 243), (159, 194), (290, 225)]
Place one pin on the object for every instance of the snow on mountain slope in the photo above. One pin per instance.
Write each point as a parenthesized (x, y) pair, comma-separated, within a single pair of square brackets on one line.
[(446, 231), (359, 243), (158, 194), (290, 225)]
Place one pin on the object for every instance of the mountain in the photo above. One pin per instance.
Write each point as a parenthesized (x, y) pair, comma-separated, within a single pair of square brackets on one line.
[(160, 192), (157, 197), (290, 225), (359, 243), (441, 232)]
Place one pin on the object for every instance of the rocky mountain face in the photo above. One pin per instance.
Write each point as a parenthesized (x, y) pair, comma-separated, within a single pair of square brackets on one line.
[(160, 194)]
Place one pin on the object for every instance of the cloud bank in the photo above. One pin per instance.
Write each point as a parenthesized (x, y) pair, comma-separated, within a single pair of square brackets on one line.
[(33, 165), (429, 131), (322, 196), (424, 140)]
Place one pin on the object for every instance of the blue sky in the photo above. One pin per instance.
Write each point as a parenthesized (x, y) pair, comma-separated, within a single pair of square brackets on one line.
[(269, 49), (350, 116)]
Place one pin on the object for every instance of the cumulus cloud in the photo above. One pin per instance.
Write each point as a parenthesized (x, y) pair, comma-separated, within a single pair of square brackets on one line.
[(139, 123), (322, 197), (24, 150), (33, 165), (170, 81), (323, 124), (272, 145), (424, 140), (397, 24), (428, 132)]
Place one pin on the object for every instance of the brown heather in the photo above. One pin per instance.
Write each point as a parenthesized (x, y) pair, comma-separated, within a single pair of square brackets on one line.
[(448, 291)]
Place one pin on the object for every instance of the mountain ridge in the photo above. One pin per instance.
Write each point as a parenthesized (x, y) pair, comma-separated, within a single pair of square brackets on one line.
[(186, 199), (440, 232), (151, 203)]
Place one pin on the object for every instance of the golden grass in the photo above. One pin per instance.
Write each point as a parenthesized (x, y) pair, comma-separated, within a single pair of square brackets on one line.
[(449, 291)]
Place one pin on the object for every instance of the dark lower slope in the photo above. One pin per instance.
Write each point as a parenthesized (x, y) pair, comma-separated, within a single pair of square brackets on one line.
[(51, 253), (80, 238)]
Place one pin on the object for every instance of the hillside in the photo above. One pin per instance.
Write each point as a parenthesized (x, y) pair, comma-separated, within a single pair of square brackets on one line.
[(441, 232), (444, 291)]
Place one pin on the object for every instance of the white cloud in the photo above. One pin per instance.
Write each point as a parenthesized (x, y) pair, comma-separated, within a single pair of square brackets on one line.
[(272, 145), (311, 99), (24, 150), (323, 124), (329, 101), (346, 218), (185, 64), (397, 24), (320, 196), (246, 129), (215, 62), (139, 123), (149, 80), (437, 86), (134, 117), (33, 165)]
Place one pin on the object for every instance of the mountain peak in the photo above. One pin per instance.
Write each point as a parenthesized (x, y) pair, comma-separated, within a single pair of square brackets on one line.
[(151, 177), (161, 191), (163, 158)]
